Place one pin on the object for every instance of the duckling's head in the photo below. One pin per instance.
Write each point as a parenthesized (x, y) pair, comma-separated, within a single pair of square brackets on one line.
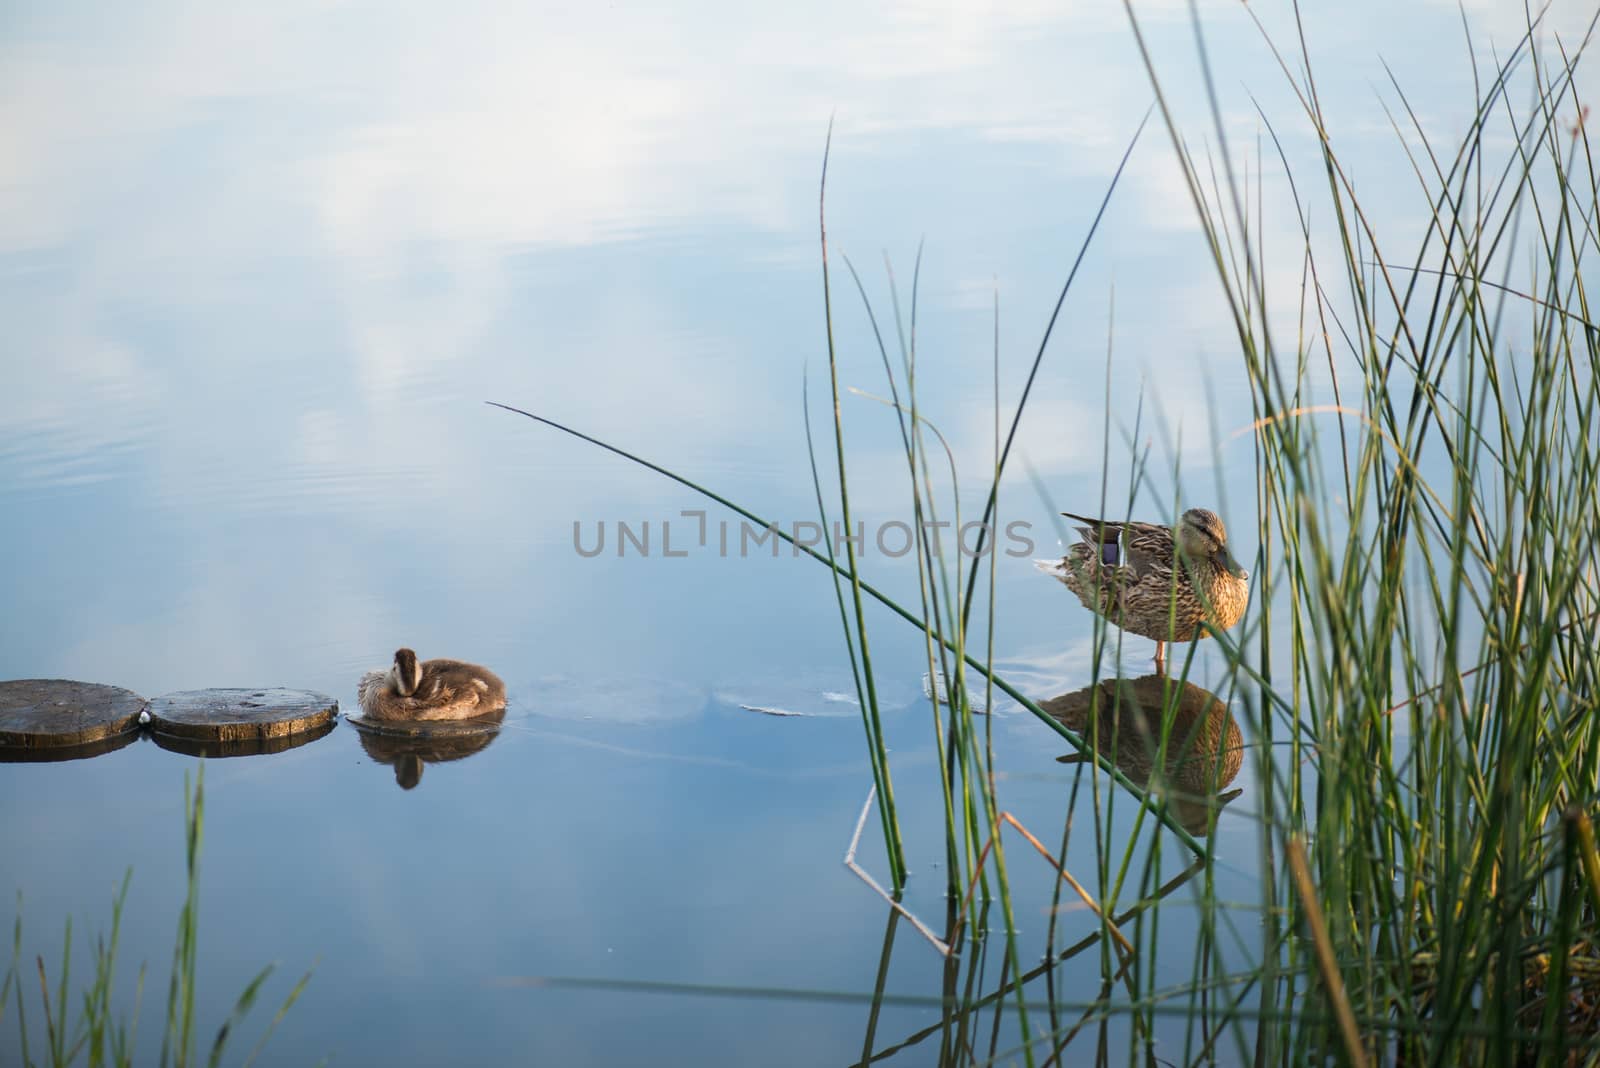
[(1203, 538), (406, 674)]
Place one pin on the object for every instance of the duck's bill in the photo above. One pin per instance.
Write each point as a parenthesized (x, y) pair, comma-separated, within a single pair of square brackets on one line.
[(1223, 560)]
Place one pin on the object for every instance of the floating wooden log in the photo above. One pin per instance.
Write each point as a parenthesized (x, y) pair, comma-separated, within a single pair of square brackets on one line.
[(240, 715), (43, 714), (57, 754), (430, 729), (212, 748)]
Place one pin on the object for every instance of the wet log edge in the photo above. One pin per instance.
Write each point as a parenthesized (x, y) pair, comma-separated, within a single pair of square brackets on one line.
[(117, 711), (240, 714)]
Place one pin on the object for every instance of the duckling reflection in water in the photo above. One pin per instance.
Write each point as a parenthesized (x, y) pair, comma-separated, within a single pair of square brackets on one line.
[(1204, 751), (415, 689), (408, 749)]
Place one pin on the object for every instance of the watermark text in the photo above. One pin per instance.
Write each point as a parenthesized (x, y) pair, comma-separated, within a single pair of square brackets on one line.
[(691, 531)]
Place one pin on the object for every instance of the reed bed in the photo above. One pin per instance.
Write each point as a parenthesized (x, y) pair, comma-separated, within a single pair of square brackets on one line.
[(101, 1035), (1429, 521)]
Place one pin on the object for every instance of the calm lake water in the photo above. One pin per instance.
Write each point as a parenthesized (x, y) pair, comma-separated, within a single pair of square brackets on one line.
[(260, 268)]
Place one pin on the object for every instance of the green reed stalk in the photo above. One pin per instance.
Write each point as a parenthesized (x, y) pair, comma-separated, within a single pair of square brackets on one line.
[(958, 750), (178, 1044), (1441, 590), (873, 721), (99, 1037), (936, 593), (959, 863), (874, 753)]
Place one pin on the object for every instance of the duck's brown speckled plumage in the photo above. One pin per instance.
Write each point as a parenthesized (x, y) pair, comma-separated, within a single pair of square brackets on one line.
[(415, 689), (1156, 581)]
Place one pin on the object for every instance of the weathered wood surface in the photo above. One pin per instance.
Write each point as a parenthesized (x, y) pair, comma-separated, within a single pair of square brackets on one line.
[(58, 754), (50, 713), (213, 748), (232, 715), (430, 728)]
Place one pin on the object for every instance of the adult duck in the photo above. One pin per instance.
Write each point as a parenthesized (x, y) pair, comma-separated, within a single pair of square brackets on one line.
[(1157, 581)]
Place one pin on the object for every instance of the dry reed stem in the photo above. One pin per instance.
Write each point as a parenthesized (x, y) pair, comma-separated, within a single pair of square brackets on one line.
[(1076, 886), (945, 949), (1294, 850)]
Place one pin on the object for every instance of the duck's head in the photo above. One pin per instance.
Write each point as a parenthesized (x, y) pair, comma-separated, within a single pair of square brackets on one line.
[(406, 673), (1202, 537)]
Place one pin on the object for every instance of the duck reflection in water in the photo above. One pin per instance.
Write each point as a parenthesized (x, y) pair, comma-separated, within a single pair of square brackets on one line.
[(1204, 751), (409, 750)]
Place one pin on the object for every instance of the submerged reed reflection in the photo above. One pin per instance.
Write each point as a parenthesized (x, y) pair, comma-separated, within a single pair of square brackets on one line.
[(408, 747), (1204, 749)]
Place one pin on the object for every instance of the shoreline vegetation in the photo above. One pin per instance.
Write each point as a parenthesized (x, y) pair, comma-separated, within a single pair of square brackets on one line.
[(103, 1035), (1424, 738)]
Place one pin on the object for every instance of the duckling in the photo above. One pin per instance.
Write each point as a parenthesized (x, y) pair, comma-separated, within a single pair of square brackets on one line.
[(415, 689), (1125, 572)]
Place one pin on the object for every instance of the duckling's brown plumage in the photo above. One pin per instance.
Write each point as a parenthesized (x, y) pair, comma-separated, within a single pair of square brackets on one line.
[(415, 689)]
